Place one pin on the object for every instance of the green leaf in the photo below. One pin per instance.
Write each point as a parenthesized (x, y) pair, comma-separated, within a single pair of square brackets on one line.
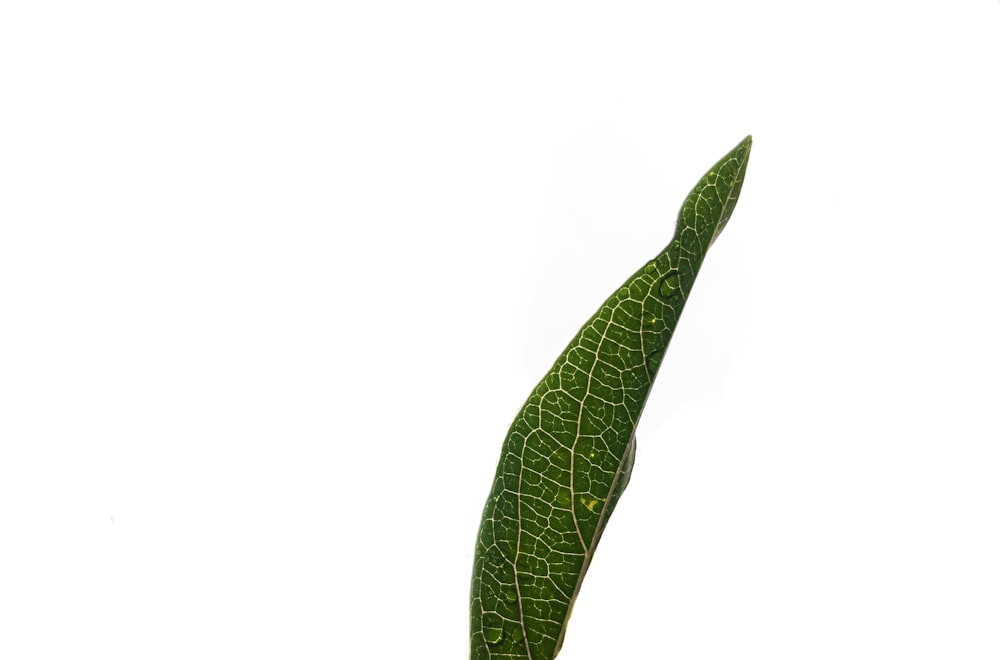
[(568, 455)]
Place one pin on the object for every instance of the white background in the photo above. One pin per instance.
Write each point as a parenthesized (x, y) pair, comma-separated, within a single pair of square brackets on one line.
[(275, 278)]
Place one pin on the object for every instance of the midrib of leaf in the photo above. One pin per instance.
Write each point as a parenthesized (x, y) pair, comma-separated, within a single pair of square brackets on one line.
[(620, 474), (567, 456)]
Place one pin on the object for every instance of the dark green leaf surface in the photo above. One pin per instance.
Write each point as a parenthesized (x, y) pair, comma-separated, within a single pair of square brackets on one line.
[(568, 454)]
